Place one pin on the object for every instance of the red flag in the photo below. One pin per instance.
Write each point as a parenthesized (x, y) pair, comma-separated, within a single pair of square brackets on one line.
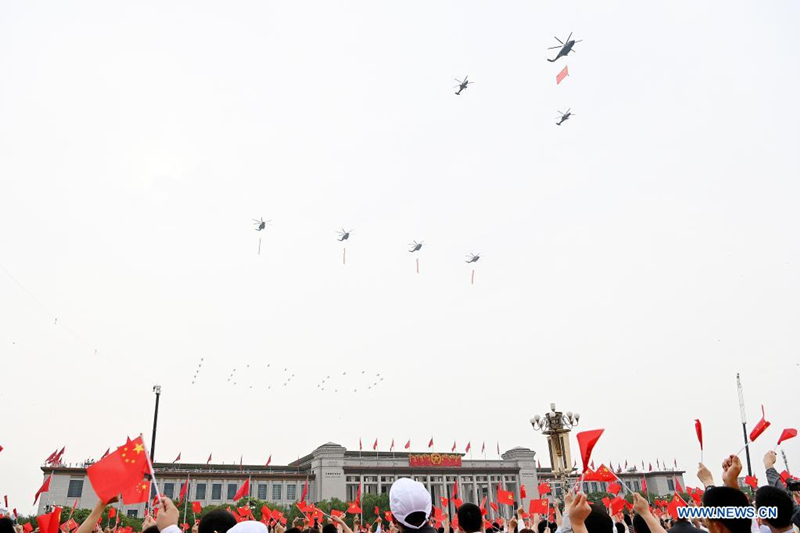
[(561, 75), (375, 446), (358, 494), (483, 506), (27, 527), (430, 444), (454, 447), (353, 508), (760, 427), (391, 448), (455, 488), (209, 459), (112, 512), (360, 446), (269, 460), (457, 502), (785, 476), (377, 511), (698, 428), (494, 507), (504, 496), (592, 464), (614, 488), (57, 459), (678, 487), (672, 508), (469, 447), (184, 490), (498, 447), (197, 508), (644, 484), (649, 467), (122, 469), (243, 491), (408, 444), (752, 481), (388, 515), (44, 488), (586, 441), (522, 492), (138, 493), (444, 501), (177, 458), (615, 506), (538, 506), (544, 488), (483, 447), (48, 523), (108, 450), (787, 434), (305, 491), (337, 513)]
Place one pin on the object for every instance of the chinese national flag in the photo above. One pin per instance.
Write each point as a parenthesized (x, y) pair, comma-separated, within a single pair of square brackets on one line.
[(672, 508), (120, 470), (276, 514), (196, 507), (353, 508), (494, 507), (760, 427), (444, 501), (303, 506), (430, 443), (614, 488), (604, 474), (561, 75), (538, 506), (44, 488), (544, 488), (615, 506), (408, 444), (457, 502), (586, 442), (112, 512), (243, 491), (752, 481), (388, 515), (137, 493), (678, 487), (48, 523), (505, 496), (787, 434), (27, 527), (522, 492), (337, 513), (184, 490)]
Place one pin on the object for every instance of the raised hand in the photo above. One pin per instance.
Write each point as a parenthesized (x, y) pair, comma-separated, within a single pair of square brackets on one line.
[(704, 475), (168, 514), (731, 468)]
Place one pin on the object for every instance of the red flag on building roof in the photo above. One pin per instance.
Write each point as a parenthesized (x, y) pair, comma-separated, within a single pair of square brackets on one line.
[(454, 447), (430, 443), (209, 459), (177, 458), (375, 445), (787, 434), (649, 467), (44, 488), (469, 447), (760, 427), (561, 75), (59, 455), (408, 444), (48, 523), (391, 447), (586, 442), (483, 447), (269, 460), (243, 491)]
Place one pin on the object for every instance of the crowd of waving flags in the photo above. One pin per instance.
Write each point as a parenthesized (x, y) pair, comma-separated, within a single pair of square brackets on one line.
[(128, 473)]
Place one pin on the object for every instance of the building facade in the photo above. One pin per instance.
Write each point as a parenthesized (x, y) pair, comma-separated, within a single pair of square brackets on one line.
[(332, 471)]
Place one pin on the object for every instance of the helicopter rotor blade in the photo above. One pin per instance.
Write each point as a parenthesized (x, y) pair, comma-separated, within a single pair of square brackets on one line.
[(570, 36), (559, 40), (555, 47), (579, 40)]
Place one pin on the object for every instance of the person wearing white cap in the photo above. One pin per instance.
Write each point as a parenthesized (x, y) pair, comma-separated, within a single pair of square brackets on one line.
[(410, 503)]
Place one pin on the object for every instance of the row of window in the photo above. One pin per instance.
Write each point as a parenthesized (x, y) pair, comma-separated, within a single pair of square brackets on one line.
[(170, 490)]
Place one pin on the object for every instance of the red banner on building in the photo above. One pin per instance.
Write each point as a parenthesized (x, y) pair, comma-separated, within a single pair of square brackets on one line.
[(427, 460)]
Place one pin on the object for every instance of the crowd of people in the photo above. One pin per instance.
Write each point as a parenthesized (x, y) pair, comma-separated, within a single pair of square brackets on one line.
[(412, 511)]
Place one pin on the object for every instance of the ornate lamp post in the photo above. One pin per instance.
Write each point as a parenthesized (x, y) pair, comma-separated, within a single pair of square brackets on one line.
[(556, 426)]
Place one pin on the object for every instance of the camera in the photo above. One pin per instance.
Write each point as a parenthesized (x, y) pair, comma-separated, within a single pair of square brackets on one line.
[(793, 485)]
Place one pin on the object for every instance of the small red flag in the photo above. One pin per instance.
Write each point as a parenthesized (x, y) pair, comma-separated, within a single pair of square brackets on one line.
[(391, 447), (209, 459), (375, 445), (196, 508), (698, 428), (787, 434), (457, 502), (388, 515), (561, 75), (615, 506), (408, 444), (760, 427), (469, 447), (538, 506), (586, 442), (522, 492), (430, 443), (444, 501), (544, 488), (44, 488), (353, 508), (112, 512), (269, 460), (678, 487), (243, 491), (483, 506), (505, 496), (752, 481), (377, 511), (138, 493), (614, 488), (337, 513), (27, 527), (177, 458), (454, 447), (785, 476), (672, 508), (494, 507), (184, 490), (48, 523)]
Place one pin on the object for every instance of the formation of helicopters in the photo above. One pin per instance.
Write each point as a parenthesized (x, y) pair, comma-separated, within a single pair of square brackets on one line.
[(564, 49)]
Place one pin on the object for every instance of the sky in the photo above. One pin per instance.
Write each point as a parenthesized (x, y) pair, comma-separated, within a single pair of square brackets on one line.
[(633, 260)]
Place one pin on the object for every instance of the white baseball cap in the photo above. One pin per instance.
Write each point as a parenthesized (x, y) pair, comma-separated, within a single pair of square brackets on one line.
[(406, 497)]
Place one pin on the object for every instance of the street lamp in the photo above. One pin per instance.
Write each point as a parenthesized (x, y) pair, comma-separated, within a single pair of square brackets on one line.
[(157, 390), (556, 426)]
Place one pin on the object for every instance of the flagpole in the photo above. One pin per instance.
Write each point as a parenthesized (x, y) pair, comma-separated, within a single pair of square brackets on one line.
[(152, 470)]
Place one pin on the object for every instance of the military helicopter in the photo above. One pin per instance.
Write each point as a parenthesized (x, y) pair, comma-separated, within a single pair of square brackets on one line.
[(564, 117), (462, 85), (261, 224), (416, 246), (565, 48), (473, 258), (344, 235)]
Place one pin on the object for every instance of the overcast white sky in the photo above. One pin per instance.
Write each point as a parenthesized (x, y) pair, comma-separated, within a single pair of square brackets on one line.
[(635, 258)]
